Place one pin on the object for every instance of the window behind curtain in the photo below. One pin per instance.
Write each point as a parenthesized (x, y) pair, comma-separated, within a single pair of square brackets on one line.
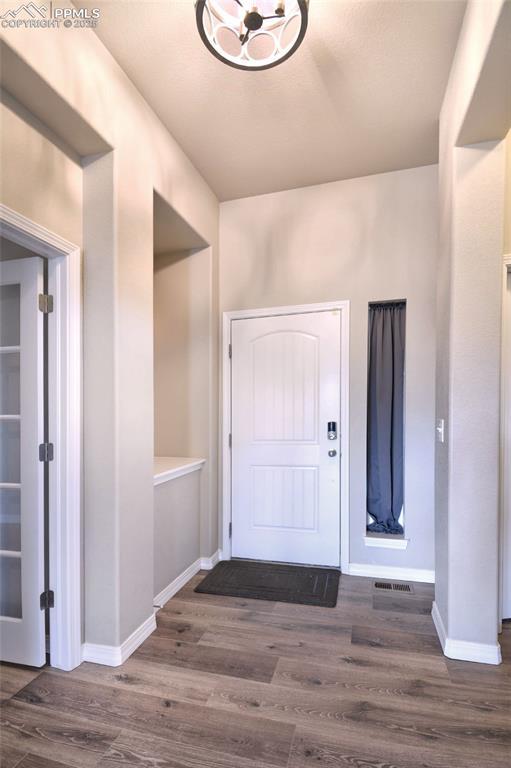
[(385, 416)]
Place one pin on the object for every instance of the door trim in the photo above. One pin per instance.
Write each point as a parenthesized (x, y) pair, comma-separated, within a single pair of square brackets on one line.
[(505, 437), (225, 490), (65, 422)]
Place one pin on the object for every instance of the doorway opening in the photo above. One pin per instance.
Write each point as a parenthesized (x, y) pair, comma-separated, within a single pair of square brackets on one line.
[(24, 627), (41, 449)]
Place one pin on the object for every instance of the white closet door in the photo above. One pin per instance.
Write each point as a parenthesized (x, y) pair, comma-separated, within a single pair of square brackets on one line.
[(285, 391), (22, 630)]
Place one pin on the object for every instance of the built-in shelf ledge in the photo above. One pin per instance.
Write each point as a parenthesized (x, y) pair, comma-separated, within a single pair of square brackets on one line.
[(386, 542), (169, 467)]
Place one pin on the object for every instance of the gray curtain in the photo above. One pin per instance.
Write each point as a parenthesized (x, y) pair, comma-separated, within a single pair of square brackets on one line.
[(385, 411)]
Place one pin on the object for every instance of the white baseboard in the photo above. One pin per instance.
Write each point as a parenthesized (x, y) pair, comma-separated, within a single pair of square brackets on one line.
[(207, 563), (178, 583), (201, 564), (439, 624), (114, 655), (390, 572), (464, 650)]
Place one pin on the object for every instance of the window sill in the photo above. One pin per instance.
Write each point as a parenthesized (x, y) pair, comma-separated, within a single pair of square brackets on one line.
[(386, 542), (169, 467)]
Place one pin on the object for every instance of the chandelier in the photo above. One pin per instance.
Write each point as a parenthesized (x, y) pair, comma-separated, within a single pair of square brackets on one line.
[(253, 36)]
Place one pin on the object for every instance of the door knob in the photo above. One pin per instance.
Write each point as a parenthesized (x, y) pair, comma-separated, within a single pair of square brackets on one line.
[(332, 454)]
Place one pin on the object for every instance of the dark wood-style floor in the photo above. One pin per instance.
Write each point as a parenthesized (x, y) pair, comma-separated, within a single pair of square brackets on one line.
[(233, 683)]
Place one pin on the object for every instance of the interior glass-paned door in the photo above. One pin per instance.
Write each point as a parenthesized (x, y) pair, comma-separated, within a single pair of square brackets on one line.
[(22, 623)]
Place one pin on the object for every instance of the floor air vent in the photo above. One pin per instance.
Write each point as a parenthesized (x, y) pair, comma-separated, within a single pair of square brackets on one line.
[(393, 587)]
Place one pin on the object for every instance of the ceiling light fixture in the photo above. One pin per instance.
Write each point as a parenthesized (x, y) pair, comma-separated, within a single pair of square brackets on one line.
[(249, 36)]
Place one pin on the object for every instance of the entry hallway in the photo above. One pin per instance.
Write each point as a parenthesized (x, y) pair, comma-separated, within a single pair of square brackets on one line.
[(235, 683)]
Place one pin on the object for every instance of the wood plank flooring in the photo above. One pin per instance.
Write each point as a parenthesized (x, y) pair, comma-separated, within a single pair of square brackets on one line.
[(233, 683)]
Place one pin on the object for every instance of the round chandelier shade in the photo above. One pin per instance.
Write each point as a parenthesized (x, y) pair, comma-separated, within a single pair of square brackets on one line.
[(252, 36)]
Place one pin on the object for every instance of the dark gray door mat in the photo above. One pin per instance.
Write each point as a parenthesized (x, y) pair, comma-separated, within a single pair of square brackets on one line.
[(272, 581)]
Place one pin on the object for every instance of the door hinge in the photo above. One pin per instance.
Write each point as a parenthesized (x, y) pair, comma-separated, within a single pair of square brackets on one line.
[(230, 530), (230, 440), (47, 599), (230, 351), (45, 303), (46, 452)]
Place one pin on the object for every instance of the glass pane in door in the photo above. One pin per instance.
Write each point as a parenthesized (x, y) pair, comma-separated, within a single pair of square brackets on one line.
[(9, 451), (10, 586), (10, 519), (9, 315), (9, 383)]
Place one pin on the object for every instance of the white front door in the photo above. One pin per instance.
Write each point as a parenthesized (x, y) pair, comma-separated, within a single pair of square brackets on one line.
[(285, 390), (22, 622)]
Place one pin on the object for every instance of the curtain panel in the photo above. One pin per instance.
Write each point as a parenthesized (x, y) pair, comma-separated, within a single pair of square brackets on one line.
[(385, 416)]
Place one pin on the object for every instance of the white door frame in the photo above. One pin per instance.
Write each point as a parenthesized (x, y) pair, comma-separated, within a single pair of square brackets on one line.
[(225, 494), (65, 425), (505, 437)]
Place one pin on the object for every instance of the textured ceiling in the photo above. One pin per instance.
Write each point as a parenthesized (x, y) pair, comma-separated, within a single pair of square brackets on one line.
[(361, 96)]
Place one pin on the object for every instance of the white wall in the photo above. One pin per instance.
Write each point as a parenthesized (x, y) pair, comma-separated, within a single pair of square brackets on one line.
[(182, 387), (176, 528), (468, 327), (363, 240), (507, 198), (181, 353), (37, 178), (67, 78)]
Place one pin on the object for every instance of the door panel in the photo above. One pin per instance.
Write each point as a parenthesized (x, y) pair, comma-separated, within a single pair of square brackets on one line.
[(285, 371), (285, 390), (22, 631)]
